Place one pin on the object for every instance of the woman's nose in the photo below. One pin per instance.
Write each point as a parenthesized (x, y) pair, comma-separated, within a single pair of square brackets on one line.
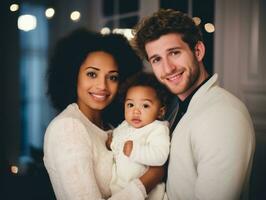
[(102, 84)]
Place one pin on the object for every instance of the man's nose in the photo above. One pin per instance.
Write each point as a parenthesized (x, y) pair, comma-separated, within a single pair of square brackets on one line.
[(168, 66)]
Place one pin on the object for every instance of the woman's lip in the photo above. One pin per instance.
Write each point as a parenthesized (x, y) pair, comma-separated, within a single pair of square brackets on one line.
[(99, 96)]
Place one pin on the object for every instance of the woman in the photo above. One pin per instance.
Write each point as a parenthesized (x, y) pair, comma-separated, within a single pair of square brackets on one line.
[(83, 79)]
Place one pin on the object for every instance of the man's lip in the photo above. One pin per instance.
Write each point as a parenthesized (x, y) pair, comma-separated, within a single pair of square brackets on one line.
[(174, 77)]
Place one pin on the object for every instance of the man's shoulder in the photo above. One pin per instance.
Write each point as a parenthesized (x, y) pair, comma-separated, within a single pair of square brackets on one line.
[(222, 98)]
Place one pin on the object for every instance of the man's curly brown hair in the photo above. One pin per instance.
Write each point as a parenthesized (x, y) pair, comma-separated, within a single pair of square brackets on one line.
[(163, 22)]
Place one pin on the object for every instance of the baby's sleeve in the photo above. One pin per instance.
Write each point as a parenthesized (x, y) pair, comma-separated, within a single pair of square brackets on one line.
[(156, 149)]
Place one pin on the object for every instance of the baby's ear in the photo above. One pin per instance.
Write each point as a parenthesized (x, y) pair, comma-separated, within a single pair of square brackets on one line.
[(161, 113)]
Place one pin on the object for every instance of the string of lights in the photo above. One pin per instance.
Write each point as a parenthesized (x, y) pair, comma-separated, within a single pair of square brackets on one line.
[(28, 22)]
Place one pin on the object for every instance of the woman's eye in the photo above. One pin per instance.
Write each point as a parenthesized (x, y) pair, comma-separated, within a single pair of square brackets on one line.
[(114, 78), (91, 74)]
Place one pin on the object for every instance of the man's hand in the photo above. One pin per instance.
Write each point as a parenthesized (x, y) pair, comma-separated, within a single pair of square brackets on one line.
[(128, 146)]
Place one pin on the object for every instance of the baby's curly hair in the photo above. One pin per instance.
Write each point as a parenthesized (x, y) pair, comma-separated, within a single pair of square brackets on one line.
[(148, 80), (163, 22), (71, 51)]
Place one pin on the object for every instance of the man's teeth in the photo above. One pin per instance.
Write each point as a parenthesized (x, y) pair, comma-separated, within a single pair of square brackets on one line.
[(174, 77)]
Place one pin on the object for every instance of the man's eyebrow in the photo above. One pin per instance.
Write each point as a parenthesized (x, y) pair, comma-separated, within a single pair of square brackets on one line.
[(170, 49), (173, 48)]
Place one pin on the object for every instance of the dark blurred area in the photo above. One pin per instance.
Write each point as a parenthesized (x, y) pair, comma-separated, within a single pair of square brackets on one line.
[(25, 110)]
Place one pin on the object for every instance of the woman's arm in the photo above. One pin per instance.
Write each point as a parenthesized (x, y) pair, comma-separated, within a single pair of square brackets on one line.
[(69, 162)]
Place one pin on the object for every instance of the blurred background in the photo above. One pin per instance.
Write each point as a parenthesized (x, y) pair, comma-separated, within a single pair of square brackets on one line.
[(234, 32)]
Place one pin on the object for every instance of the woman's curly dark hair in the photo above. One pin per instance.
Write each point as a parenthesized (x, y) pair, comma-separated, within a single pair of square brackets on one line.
[(163, 22), (72, 50), (148, 80)]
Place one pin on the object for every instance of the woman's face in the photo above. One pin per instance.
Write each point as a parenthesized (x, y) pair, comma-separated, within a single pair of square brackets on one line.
[(97, 82)]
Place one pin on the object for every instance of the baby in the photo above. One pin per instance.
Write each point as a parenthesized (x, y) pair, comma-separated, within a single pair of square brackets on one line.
[(142, 139)]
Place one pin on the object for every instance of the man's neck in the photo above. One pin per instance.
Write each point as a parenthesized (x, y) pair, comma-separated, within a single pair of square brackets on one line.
[(202, 77)]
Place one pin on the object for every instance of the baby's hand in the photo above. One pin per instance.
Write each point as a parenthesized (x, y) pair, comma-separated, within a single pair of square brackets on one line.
[(109, 141), (128, 146)]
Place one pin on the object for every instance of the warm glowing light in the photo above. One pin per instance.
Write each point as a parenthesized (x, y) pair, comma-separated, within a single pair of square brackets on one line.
[(105, 30), (14, 7), (197, 20), (49, 13), (127, 32), (27, 22), (209, 27), (75, 16), (14, 169)]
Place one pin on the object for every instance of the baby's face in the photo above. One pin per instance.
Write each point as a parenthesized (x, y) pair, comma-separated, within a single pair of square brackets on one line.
[(142, 106)]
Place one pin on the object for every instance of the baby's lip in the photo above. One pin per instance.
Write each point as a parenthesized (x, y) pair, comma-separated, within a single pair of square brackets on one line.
[(136, 120)]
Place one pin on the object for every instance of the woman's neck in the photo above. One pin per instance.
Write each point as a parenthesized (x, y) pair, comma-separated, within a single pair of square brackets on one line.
[(93, 115), (96, 119)]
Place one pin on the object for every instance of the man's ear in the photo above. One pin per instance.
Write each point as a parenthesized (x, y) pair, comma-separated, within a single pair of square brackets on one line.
[(161, 112), (199, 51)]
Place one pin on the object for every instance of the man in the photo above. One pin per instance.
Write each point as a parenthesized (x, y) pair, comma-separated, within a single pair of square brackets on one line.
[(213, 141)]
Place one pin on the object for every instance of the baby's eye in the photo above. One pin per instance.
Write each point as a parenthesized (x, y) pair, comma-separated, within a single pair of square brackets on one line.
[(130, 105), (91, 74), (146, 105)]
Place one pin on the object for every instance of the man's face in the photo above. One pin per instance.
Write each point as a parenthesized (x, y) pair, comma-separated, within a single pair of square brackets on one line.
[(174, 64)]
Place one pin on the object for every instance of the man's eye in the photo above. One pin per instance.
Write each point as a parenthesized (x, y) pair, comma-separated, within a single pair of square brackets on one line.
[(155, 60), (91, 74), (174, 53)]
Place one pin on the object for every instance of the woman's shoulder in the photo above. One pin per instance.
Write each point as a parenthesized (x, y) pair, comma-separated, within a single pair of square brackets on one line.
[(68, 120)]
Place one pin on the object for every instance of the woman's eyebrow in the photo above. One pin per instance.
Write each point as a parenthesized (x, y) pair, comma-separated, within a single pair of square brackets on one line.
[(91, 67)]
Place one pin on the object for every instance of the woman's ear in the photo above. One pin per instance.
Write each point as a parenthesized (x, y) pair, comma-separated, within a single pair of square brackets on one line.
[(161, 113), (199, 51)]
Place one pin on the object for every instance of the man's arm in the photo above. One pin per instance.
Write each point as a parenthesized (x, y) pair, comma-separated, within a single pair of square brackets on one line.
[(223, 150)]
